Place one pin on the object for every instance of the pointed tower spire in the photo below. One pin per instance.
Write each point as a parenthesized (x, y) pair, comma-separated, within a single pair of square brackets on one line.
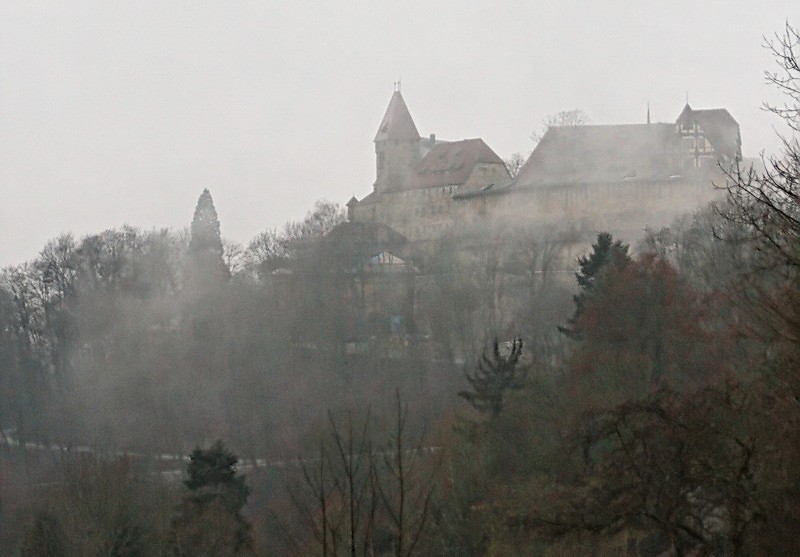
[(397, 122), (648, 112), (397, 145)]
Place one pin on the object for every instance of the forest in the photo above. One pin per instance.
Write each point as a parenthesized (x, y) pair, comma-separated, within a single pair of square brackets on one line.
[(502, 393)]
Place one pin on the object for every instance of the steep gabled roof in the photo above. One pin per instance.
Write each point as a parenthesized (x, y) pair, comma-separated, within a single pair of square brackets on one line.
[(397, 122), (719, 127), (587, 154), (451, 163)]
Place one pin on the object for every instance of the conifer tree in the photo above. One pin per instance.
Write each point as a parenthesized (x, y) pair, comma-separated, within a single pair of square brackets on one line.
[(205, 245), (495, 375), (212, 474), (210, 520), (606, 253)]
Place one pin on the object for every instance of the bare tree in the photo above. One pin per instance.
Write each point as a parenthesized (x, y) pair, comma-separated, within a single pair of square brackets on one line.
[(574, 117), (766, 203), (403, 487), (515, 162), (360, 498), (339, 483), (266, 252), (785, 47), (232, 255), (316, 514), (353, 483)]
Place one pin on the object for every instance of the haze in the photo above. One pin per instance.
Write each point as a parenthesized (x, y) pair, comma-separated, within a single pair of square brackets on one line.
[(117, 113)]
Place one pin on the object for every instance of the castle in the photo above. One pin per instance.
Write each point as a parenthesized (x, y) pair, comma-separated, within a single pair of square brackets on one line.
[(616, 178)]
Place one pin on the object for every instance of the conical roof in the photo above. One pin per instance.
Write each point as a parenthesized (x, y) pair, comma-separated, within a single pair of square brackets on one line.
[(397, 122)]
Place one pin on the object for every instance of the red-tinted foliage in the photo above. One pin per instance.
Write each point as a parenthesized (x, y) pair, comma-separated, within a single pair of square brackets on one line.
[(644, 326)]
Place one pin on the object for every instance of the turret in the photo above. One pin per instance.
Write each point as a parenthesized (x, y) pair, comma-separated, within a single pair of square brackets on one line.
[(397, 145), (351, 209)]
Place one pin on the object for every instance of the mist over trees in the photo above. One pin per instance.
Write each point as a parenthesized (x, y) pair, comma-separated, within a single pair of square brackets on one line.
[(330, 388)]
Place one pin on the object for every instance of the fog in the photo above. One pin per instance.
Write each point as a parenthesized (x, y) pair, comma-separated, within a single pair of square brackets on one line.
[(121, 113), (399, 280)]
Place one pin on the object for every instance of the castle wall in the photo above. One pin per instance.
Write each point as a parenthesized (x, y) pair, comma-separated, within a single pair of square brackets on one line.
[(625, 209), (635, 156), (416, 214)]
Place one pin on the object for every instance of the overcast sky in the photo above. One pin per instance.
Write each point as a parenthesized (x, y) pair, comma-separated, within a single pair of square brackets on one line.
[(118, 113)]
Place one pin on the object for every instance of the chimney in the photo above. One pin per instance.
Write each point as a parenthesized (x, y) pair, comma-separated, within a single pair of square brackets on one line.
[(433, 139)]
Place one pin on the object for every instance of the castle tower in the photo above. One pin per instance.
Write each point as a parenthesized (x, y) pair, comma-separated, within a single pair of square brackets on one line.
[(397, 146)]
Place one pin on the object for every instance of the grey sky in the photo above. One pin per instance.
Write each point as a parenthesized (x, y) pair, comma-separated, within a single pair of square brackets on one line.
[(114, 113)]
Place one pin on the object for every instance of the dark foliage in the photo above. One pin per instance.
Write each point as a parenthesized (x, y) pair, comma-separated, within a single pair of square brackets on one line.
[(210, 520), (496, 374), (45, 537), (212, 474), (606, 254), (205, 246), (644, 326)]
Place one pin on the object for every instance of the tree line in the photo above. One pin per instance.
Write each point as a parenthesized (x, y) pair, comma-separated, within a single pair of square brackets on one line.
[(648, 408)]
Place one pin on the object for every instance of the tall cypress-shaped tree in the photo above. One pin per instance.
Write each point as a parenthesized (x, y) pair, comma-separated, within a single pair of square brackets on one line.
[(204, 301), (207, 266)]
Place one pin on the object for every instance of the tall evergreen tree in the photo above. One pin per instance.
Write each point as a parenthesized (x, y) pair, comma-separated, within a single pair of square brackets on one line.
[(205, 245), (607, 253)]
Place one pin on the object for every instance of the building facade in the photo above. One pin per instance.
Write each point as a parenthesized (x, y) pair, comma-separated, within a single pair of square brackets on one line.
[(617, 178), (417, 178)]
